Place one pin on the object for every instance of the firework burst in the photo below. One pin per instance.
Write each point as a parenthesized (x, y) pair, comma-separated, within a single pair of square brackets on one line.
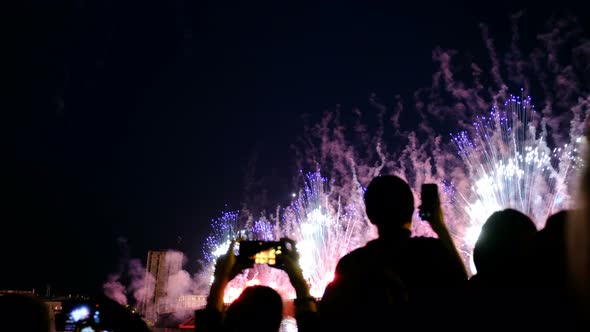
[(511, 156), (510, 165), (322, 227)]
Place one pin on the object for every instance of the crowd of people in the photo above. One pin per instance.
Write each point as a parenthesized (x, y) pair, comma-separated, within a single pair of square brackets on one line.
[(526, 278)]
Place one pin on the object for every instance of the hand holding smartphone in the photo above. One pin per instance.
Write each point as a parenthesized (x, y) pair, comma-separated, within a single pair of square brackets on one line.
[(430, 201), (261, 252)]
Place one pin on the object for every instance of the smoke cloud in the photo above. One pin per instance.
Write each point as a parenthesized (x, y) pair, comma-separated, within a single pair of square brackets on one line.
[(115, 290)]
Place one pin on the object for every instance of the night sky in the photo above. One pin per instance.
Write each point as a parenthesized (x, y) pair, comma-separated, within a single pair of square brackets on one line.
[(144, 116)]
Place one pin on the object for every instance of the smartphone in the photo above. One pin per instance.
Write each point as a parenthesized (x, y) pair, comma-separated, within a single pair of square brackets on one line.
[(261, 252), (430, 200)]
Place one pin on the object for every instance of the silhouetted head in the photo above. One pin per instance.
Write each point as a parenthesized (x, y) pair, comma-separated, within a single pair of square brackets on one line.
[(116, 317), (555, 224), (551, 238), (550, 249), (389, 202), (258, 308), (23, 313), (505, 239)]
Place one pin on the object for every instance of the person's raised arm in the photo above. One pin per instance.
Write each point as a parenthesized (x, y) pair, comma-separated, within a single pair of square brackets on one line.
[(210, 319), (290, 264), (437, 223), (226, 268), (305, 304)]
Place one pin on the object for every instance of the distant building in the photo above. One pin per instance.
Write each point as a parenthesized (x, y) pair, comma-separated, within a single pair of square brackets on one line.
[(160, 266), (192, 302), (18, 291)]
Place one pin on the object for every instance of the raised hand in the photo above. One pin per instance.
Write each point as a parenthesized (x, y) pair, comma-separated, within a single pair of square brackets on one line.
[(227, 268), (289, 262)]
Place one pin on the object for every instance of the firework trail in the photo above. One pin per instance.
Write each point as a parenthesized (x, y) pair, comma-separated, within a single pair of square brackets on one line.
[(325, 230), (225, 229), (511, 166), (501, 152), (505, 154)]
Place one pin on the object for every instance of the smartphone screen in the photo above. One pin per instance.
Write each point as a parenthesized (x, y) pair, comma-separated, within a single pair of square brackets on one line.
[(261, 252), (81, 313), (268, 256)]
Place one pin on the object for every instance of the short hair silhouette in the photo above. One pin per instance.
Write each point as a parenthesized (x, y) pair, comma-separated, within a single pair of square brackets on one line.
[(550, 251), (556, 224), (258, 308), (389, 199), (502, 240)]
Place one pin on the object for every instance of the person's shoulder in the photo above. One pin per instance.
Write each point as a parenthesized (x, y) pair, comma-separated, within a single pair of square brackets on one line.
[(355, 258), (431, 256), (355, 255), (426, 246)]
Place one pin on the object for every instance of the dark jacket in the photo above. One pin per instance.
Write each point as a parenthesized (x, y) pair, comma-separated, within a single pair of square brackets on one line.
[(392, 282)]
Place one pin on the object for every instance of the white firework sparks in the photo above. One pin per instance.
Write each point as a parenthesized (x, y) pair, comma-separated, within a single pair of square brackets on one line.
[(511, 166), (323, 230)]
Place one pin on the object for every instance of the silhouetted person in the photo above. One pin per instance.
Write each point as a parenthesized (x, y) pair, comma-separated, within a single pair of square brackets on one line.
[(117, 317), (258, 308), (23, 313), (505, 241), (553, 301), (501, 292), (395, 279), (550, 252)]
